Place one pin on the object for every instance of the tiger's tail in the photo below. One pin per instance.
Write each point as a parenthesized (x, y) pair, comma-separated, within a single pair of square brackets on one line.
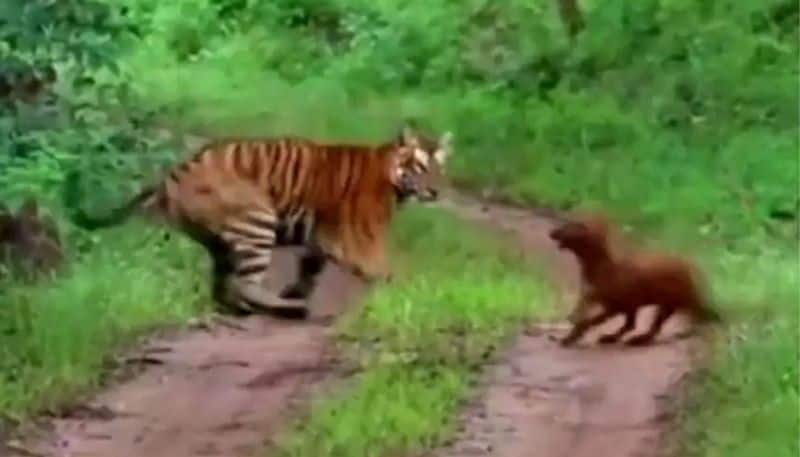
[(71, 198)]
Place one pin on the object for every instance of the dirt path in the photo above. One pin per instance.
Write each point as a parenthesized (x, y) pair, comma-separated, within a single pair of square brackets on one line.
[(541, 400), (217, 392)]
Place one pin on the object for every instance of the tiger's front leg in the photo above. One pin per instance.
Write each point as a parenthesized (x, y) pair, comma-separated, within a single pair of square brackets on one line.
[(363, 257)]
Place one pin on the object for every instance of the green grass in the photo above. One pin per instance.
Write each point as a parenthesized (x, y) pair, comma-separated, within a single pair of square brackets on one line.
[(57, 335), (419, 342), (745, 401)]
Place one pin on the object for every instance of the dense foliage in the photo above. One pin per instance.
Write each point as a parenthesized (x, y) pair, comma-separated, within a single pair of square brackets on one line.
[(63, 93)]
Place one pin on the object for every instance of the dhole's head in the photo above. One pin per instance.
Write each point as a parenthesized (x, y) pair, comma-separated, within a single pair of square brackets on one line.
[(418, 168), (583, 237)]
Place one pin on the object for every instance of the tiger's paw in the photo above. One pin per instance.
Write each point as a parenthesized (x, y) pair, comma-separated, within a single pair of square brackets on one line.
[(264, 301), (641, 340), (608, 339), (295, 291), (292, 313), (294, 310)]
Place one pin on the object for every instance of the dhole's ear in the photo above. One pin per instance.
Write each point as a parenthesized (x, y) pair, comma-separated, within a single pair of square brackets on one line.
[(595, 223), (445, 148)]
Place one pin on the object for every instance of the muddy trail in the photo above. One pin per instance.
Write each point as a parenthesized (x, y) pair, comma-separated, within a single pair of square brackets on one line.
[(224, 390), (218, 391), (542, 400)]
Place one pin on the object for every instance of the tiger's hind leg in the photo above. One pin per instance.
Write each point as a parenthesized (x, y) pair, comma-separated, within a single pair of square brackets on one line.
[(310, 265), (222, 267), (221, 291), (252, 238)]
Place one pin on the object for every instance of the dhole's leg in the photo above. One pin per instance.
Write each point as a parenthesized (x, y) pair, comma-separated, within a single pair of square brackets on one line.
[(580, 310), (664, 313), (630, 324), (582, 326), (311, 264)]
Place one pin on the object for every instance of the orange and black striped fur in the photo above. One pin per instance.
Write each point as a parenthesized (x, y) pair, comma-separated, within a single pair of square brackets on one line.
[(242, 198)]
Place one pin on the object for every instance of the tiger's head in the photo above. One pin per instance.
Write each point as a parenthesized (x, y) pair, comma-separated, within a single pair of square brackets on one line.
[(418, 165)]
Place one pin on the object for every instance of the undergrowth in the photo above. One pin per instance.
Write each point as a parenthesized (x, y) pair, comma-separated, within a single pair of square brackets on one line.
[(56, 336), (743, 400)]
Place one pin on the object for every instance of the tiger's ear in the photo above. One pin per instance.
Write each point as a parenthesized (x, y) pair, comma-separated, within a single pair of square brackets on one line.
[(403, 154), (408, 136), (445, 148)]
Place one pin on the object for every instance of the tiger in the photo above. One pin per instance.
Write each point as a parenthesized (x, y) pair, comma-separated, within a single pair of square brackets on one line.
[(241, 198)]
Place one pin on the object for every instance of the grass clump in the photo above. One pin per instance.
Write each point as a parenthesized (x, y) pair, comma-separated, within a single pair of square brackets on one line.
[(57, 335), (745, 401), (459, 295)]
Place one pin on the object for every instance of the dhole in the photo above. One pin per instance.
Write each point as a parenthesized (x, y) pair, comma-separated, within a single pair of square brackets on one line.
[(627, 281)]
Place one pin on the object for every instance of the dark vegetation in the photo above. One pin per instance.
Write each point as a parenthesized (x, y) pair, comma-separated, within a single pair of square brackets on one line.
[(679, 117), (29, 242)]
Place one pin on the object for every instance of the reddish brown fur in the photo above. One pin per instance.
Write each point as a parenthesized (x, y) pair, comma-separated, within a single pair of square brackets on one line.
[(623, 283), (29, 240)]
